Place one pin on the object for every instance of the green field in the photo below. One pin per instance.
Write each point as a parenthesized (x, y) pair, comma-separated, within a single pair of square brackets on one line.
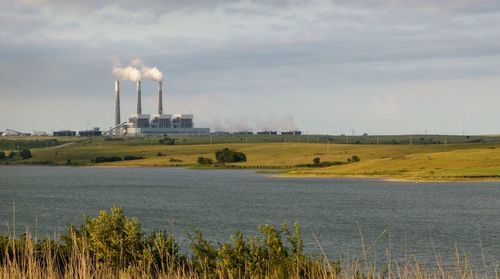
[(451, 161)]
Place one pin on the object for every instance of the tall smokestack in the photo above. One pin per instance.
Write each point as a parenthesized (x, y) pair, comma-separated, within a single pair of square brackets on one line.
[(117, 102), (139, 106), (160, 98)]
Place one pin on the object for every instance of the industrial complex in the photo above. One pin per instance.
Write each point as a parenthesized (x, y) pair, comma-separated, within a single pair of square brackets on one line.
[(143, 124), (140, 124)]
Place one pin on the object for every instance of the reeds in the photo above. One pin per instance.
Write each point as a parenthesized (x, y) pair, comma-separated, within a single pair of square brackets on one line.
[(113, 246)]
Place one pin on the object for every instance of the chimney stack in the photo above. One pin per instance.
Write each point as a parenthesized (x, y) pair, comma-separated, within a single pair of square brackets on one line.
[(160, 98), (139, 106), (117, 102)]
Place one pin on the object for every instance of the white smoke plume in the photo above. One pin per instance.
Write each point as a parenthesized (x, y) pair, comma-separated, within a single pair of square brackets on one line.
[(151, 73), (136, 70), (127, 73)]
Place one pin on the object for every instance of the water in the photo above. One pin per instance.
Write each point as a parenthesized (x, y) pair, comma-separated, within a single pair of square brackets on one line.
[(424, 219)]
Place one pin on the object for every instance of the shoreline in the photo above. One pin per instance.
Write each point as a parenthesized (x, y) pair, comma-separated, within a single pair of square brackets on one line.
[(285, 173)]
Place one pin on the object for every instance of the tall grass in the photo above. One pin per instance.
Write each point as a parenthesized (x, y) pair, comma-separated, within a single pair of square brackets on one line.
[(114, 246)]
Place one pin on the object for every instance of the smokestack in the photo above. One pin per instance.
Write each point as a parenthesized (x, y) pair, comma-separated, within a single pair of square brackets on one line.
[(139, 106), (160, 98), (117, 103)]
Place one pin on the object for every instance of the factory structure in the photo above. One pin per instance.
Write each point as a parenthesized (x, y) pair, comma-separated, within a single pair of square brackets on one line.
[(159, 124)]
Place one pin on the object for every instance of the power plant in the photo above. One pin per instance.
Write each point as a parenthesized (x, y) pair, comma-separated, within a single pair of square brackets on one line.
[(159, 124)]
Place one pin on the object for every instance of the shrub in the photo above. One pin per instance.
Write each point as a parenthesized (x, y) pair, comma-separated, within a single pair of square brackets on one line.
[(131, 157), (175, 160), (102, 159), (205, 161), (167, 141), (2, 155), (159, 154), (355, 158), (113, 238), (25, 153), (12, 154), (227, 155), (316, 160)]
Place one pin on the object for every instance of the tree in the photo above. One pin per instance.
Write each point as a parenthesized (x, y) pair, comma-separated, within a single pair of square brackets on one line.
[(205, 161), (227, 155), (316, 160), (2, 155), (25, 153)]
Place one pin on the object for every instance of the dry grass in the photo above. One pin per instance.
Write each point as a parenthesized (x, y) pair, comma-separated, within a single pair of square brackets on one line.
[(412, 162), (43, 262)]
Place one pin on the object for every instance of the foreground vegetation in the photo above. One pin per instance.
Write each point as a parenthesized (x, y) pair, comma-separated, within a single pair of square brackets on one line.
[(437, 162), (112, 245)]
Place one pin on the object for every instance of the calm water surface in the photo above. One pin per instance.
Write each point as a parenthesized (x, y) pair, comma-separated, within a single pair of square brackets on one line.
[(414, 218)]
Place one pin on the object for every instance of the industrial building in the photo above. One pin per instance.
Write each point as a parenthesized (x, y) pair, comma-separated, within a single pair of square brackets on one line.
[(267, 133), (90, 133), (297, 133), (64, 133), (159, 124)]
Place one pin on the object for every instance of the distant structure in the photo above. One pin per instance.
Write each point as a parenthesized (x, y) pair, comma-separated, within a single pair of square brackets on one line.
[(39, 133), (159, 124), (10, 132), (267, 133), (90, 133), (64, 133), (297, 133)]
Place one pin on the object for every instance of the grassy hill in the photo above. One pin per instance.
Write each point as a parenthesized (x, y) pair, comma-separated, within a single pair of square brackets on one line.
[(471, 161)]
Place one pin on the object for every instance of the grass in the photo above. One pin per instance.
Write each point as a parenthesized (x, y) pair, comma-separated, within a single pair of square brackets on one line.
[(112, 245), (438, 162)]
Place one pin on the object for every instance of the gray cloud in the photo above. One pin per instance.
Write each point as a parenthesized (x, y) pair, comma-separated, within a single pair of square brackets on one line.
[(216, 54)]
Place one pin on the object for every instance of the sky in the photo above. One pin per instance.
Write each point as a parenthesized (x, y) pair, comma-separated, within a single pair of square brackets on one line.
[(321, 66)]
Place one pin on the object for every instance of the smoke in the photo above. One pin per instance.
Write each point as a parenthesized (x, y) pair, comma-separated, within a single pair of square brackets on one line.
[(285, 123), (151, 73), (136, 70), (127, 73)]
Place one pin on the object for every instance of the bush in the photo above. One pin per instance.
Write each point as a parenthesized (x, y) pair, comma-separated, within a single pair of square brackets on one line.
[(167, 141), (316, 160), (113, 238), (131, 157), (25, 153), (355, 158), (205, 161), (160, 154), (2, 155), (227, 155), (12, 154), (102, 159)]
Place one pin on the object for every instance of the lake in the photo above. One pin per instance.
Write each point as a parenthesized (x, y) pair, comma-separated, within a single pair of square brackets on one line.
[(422, 219)]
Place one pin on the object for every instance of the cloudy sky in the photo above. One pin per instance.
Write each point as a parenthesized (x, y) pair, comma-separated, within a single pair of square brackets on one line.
[(378, 66)]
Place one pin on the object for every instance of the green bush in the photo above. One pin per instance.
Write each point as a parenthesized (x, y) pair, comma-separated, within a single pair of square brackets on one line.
[(355, 158), (12, 154), (25, 154), (205, 161), (131, 157), (102, 159), (227, 155), (2, 155), (316, 160), (167, 141)]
